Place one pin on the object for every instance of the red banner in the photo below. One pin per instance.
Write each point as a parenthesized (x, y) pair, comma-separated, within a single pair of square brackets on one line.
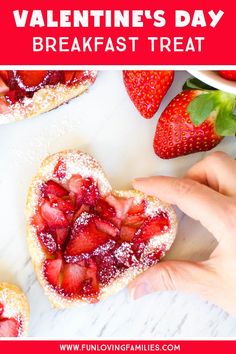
[(116, 346), (120, 32)]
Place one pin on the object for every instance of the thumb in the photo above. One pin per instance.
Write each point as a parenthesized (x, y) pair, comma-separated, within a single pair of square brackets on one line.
[(174, 275)]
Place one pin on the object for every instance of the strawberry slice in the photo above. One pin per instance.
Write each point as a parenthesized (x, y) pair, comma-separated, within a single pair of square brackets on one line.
[(52, 269), (54, 188), (134, 220), (60, 170), (47, 240), (76, 184), (85, 236), (92, 285), (61, 236), (127, 233), (105, 209), (121, 205), (153, 226), (3, 87), (5, 75), (91, 194), (53, 216), (106, 226), (9, 327), (38, 222), (69, 76), (65, 205), (83, 209), (137, 208), (1, 309), (73, 277), (31, 80)]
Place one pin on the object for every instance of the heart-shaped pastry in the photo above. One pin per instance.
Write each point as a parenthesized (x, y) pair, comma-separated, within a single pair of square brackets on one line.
[(14, 311), (27, 93), (86, 240)]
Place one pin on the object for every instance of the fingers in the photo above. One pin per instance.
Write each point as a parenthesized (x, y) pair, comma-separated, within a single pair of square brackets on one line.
[(218, 171), (174, 275), (194, 199)]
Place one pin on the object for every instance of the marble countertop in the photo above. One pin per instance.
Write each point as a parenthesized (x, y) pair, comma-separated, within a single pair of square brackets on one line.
[(102, 122)]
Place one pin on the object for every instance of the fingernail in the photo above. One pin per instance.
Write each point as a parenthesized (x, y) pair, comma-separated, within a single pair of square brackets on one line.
[(140, 179), (140, 290)]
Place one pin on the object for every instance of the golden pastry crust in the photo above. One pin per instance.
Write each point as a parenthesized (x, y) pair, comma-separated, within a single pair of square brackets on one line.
[(44, 100), (15, 305), (80, 163)]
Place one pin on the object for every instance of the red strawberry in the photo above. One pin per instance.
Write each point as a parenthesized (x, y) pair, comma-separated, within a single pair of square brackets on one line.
[(1, 309), (31, 80), (54, 188), (85, 236), (228, 74), (9, 327), (106, 226), (146, 89), (73, 277), (54, 217), (48, 241), (52, 270), (137, 208), (176, 134), (76, 184), (127, 233)]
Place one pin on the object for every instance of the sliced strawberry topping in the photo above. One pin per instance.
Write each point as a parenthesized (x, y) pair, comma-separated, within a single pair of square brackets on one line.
[(91, 194), (134, 220), (53, 216), (127, 233), (61, 236), (1, 309), (73, 277), (105, 209), (31, 80), (3, 87), (85, 236), (52, 269), (60, 170), (9, 327), (121, 205), (91, 274), (153, 226), (92, 239), (54, 188), (76, 185), (137, 208), (38, 222), (48, 241), (106, 227)]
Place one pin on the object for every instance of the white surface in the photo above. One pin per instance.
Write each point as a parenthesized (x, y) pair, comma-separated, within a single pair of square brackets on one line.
[(213, 79), (104, 123)]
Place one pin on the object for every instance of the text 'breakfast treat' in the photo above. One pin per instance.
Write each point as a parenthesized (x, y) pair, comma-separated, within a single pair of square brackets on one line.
[(27, 93), (86, 240), (14, 311)]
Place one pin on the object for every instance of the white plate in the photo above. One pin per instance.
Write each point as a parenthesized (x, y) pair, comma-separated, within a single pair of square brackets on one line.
[(213, 79)]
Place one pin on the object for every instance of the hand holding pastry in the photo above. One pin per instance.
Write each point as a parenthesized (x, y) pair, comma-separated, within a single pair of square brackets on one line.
[(207, 194)]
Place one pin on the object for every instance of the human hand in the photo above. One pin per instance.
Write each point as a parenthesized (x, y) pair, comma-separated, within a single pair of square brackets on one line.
[(208, 194)]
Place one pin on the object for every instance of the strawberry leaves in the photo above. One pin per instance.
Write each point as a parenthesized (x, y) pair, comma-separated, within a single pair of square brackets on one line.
[(212, 103), (201, 107)]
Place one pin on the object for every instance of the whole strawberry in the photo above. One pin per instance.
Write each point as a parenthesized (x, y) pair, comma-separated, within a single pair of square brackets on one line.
[(195, 120), (146, 89), (228, 74)]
